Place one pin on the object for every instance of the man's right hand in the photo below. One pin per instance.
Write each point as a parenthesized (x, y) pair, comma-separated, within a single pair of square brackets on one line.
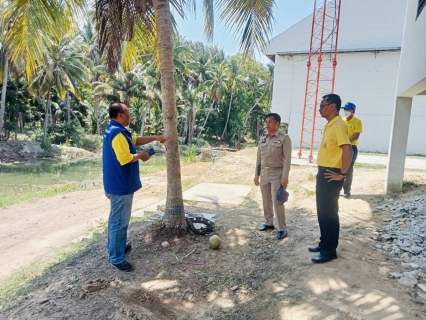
[(144, 156), (256, 181)]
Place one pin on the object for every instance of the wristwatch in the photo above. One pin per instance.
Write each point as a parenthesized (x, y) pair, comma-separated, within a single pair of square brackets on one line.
[(343, 174)]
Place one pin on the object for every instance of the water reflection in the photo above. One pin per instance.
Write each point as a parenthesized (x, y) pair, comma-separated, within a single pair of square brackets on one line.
[(41, 178)]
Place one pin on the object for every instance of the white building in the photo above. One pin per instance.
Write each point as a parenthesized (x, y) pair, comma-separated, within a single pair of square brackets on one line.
[(408, 118), (370, 41)]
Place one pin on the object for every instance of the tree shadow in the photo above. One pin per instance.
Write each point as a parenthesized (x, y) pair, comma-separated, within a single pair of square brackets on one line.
[(252, 275)]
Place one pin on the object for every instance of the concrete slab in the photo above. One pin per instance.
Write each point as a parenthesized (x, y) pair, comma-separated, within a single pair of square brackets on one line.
[(411, 162), (217, 193)]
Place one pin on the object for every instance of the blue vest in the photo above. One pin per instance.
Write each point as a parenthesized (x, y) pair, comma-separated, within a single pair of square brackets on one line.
[(118, 179)]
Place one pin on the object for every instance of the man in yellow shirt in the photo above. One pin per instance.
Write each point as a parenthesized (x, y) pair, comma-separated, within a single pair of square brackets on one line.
[(334, 159), (354, 131)]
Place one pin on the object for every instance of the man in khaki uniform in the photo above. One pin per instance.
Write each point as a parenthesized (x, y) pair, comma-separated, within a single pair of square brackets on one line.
[(274, 158)]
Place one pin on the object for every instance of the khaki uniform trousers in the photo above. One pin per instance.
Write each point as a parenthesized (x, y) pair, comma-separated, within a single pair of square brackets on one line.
[(270, 182)]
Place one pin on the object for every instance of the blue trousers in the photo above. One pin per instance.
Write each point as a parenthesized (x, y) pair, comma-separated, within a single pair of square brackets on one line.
[(118, 222)]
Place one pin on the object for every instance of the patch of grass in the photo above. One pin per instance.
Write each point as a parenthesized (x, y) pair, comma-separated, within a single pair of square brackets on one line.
[(309, 192), (187, 183), (11, 199), (152, 168), (369, 166), (329, 296), (191, 202)]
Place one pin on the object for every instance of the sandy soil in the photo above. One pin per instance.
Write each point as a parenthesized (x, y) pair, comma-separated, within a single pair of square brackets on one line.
[(252, 276), (37, 228)]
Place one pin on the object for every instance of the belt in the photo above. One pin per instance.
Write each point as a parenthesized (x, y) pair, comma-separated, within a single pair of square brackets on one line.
[(328, 168), (267, 168)]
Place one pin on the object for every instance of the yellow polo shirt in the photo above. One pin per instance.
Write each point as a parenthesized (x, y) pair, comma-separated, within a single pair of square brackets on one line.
[(335, 135), (354, 126), (122, 149)]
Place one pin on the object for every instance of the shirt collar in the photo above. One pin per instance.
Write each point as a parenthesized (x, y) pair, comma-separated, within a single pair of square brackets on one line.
[(115, 123), (276, 133), (329, 124)]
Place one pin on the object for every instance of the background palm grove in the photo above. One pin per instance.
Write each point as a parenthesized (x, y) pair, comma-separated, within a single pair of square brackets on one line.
[(63, 62)]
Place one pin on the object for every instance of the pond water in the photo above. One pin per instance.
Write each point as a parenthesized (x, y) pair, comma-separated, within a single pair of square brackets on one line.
[(43, 178)]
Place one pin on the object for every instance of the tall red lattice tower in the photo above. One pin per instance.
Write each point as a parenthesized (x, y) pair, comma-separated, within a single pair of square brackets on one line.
[(322, 64)]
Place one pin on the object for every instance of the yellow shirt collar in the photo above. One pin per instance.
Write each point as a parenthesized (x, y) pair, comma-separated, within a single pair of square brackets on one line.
[(333, 121)]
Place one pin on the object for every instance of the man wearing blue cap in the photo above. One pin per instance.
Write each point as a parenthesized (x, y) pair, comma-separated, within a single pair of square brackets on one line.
[(354, 131)]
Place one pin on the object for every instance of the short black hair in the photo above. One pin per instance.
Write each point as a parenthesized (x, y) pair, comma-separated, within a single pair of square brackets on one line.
[(276, 116), (334, 98), (115, 108)]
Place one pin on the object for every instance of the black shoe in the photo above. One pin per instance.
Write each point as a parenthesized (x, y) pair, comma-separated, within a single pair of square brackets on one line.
[(128, 247), (123, 266), (347, 195), (266, 228), (281, 234), (323, 259), (314, 249)]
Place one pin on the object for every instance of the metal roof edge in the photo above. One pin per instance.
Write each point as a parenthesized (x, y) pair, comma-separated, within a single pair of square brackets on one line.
[(290, 53)]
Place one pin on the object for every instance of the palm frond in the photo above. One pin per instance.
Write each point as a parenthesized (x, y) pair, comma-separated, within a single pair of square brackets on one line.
[(30, 21), (253, 18)]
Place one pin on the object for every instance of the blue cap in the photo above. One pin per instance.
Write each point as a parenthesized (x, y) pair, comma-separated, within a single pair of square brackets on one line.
[(282, 195), (350, 105)]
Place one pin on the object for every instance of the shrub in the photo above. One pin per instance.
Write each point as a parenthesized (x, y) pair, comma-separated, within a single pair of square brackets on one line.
[(90, 142), (190, 154)]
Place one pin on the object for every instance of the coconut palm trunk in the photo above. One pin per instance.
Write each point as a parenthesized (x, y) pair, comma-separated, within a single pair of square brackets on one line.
[(68, 106), (3, 91), (147, 107), (205, 121), (46, 118), (225, 131), (174, 215)]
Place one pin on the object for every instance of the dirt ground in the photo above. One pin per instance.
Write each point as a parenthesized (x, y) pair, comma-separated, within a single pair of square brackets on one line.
[(252, 276), (38, 228)]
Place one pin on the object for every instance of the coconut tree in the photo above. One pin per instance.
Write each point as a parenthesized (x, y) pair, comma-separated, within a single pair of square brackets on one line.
[(63, 68), (116, 20), (235, 77), (31, 21), (217, 88)]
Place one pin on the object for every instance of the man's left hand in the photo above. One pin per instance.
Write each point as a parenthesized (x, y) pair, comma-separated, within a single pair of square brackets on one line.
[(284, 182), (161, 139), (333, 176)]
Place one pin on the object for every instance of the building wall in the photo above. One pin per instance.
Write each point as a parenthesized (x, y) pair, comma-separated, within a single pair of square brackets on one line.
[(412, 75), (367, 79), (363, 24)]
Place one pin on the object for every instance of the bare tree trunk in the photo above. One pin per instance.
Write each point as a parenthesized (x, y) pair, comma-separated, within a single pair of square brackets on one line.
[(185, 127), (3, 91), (148, 106), (21, 122), (227, 118), (192, 124), (68, 106), (205, 121), (97, 114), (49, 105), (254, 105), (250, 111), (46, 119), (175, 214)]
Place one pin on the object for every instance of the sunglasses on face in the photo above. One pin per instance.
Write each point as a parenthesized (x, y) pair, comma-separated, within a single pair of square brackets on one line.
[(324, 105)]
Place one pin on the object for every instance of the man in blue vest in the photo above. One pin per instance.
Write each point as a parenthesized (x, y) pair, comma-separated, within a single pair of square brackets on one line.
[(121, 179)]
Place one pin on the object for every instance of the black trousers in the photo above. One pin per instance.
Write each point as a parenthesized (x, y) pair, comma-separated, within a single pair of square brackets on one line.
[(327, 196), (349, 175)]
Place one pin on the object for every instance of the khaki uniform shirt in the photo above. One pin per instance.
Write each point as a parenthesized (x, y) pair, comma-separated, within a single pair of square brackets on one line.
[(275, 152)]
